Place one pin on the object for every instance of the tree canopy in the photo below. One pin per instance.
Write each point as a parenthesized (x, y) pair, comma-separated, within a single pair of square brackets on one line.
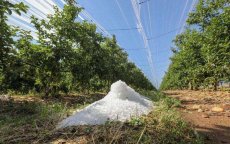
[(202, 53), (69, 55)]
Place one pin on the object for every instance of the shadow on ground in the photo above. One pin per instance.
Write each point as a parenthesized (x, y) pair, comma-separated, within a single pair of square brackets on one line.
[(196, 108), (217, 135)]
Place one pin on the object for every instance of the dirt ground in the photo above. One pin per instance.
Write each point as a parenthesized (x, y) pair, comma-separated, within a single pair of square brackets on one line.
[(208, 111)]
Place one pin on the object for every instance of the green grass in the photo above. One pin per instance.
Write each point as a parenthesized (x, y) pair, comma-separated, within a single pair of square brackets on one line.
[(28, 121), (165, 125), (162, 126), (35, 122)]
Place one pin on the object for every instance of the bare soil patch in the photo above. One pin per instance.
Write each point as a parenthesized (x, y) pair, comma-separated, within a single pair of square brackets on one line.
[(208, 111)]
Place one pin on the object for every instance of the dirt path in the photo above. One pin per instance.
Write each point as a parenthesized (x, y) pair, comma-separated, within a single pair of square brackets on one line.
[(208, 111)]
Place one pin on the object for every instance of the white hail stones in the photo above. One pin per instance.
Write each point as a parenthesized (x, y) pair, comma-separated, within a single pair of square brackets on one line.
[(120, 104)]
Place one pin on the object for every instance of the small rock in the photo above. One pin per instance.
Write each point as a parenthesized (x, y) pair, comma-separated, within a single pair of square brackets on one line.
[(223, 141), (196, 107), (226, 107), (205, 115), (4, 97), (59, 141), (199, 110), (217, 109)]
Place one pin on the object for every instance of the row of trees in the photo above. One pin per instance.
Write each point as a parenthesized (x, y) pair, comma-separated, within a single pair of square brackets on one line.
[(202, 54), (68, 56)]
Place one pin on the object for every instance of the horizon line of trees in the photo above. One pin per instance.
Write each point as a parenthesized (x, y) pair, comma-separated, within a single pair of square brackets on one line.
[(68, 55), (202, 54)]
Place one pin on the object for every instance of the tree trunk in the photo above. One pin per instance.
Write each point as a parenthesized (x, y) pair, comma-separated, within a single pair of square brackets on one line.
[(215, 86), (190, 86)]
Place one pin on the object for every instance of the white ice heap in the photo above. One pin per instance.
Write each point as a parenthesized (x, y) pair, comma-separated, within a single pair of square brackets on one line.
[(120, 104)]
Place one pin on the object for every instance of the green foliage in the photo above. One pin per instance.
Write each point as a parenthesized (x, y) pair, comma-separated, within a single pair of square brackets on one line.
[(201, 56), (170, 102), (171, 128), (136, 121), (6, 31), (165, 124), (8, 52), (153, 95), (68, 56)]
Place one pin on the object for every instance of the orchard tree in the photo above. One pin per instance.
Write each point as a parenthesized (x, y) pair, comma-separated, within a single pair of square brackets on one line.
[(7, 32), (60, 35), (213, 19), (189, 45), (204, 48), (69, 55)]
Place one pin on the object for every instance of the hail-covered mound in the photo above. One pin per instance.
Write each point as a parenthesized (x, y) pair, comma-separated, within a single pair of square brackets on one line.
[(120, 104)]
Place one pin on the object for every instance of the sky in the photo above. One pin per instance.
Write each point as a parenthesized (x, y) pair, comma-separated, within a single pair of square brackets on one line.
[(143, 28)]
